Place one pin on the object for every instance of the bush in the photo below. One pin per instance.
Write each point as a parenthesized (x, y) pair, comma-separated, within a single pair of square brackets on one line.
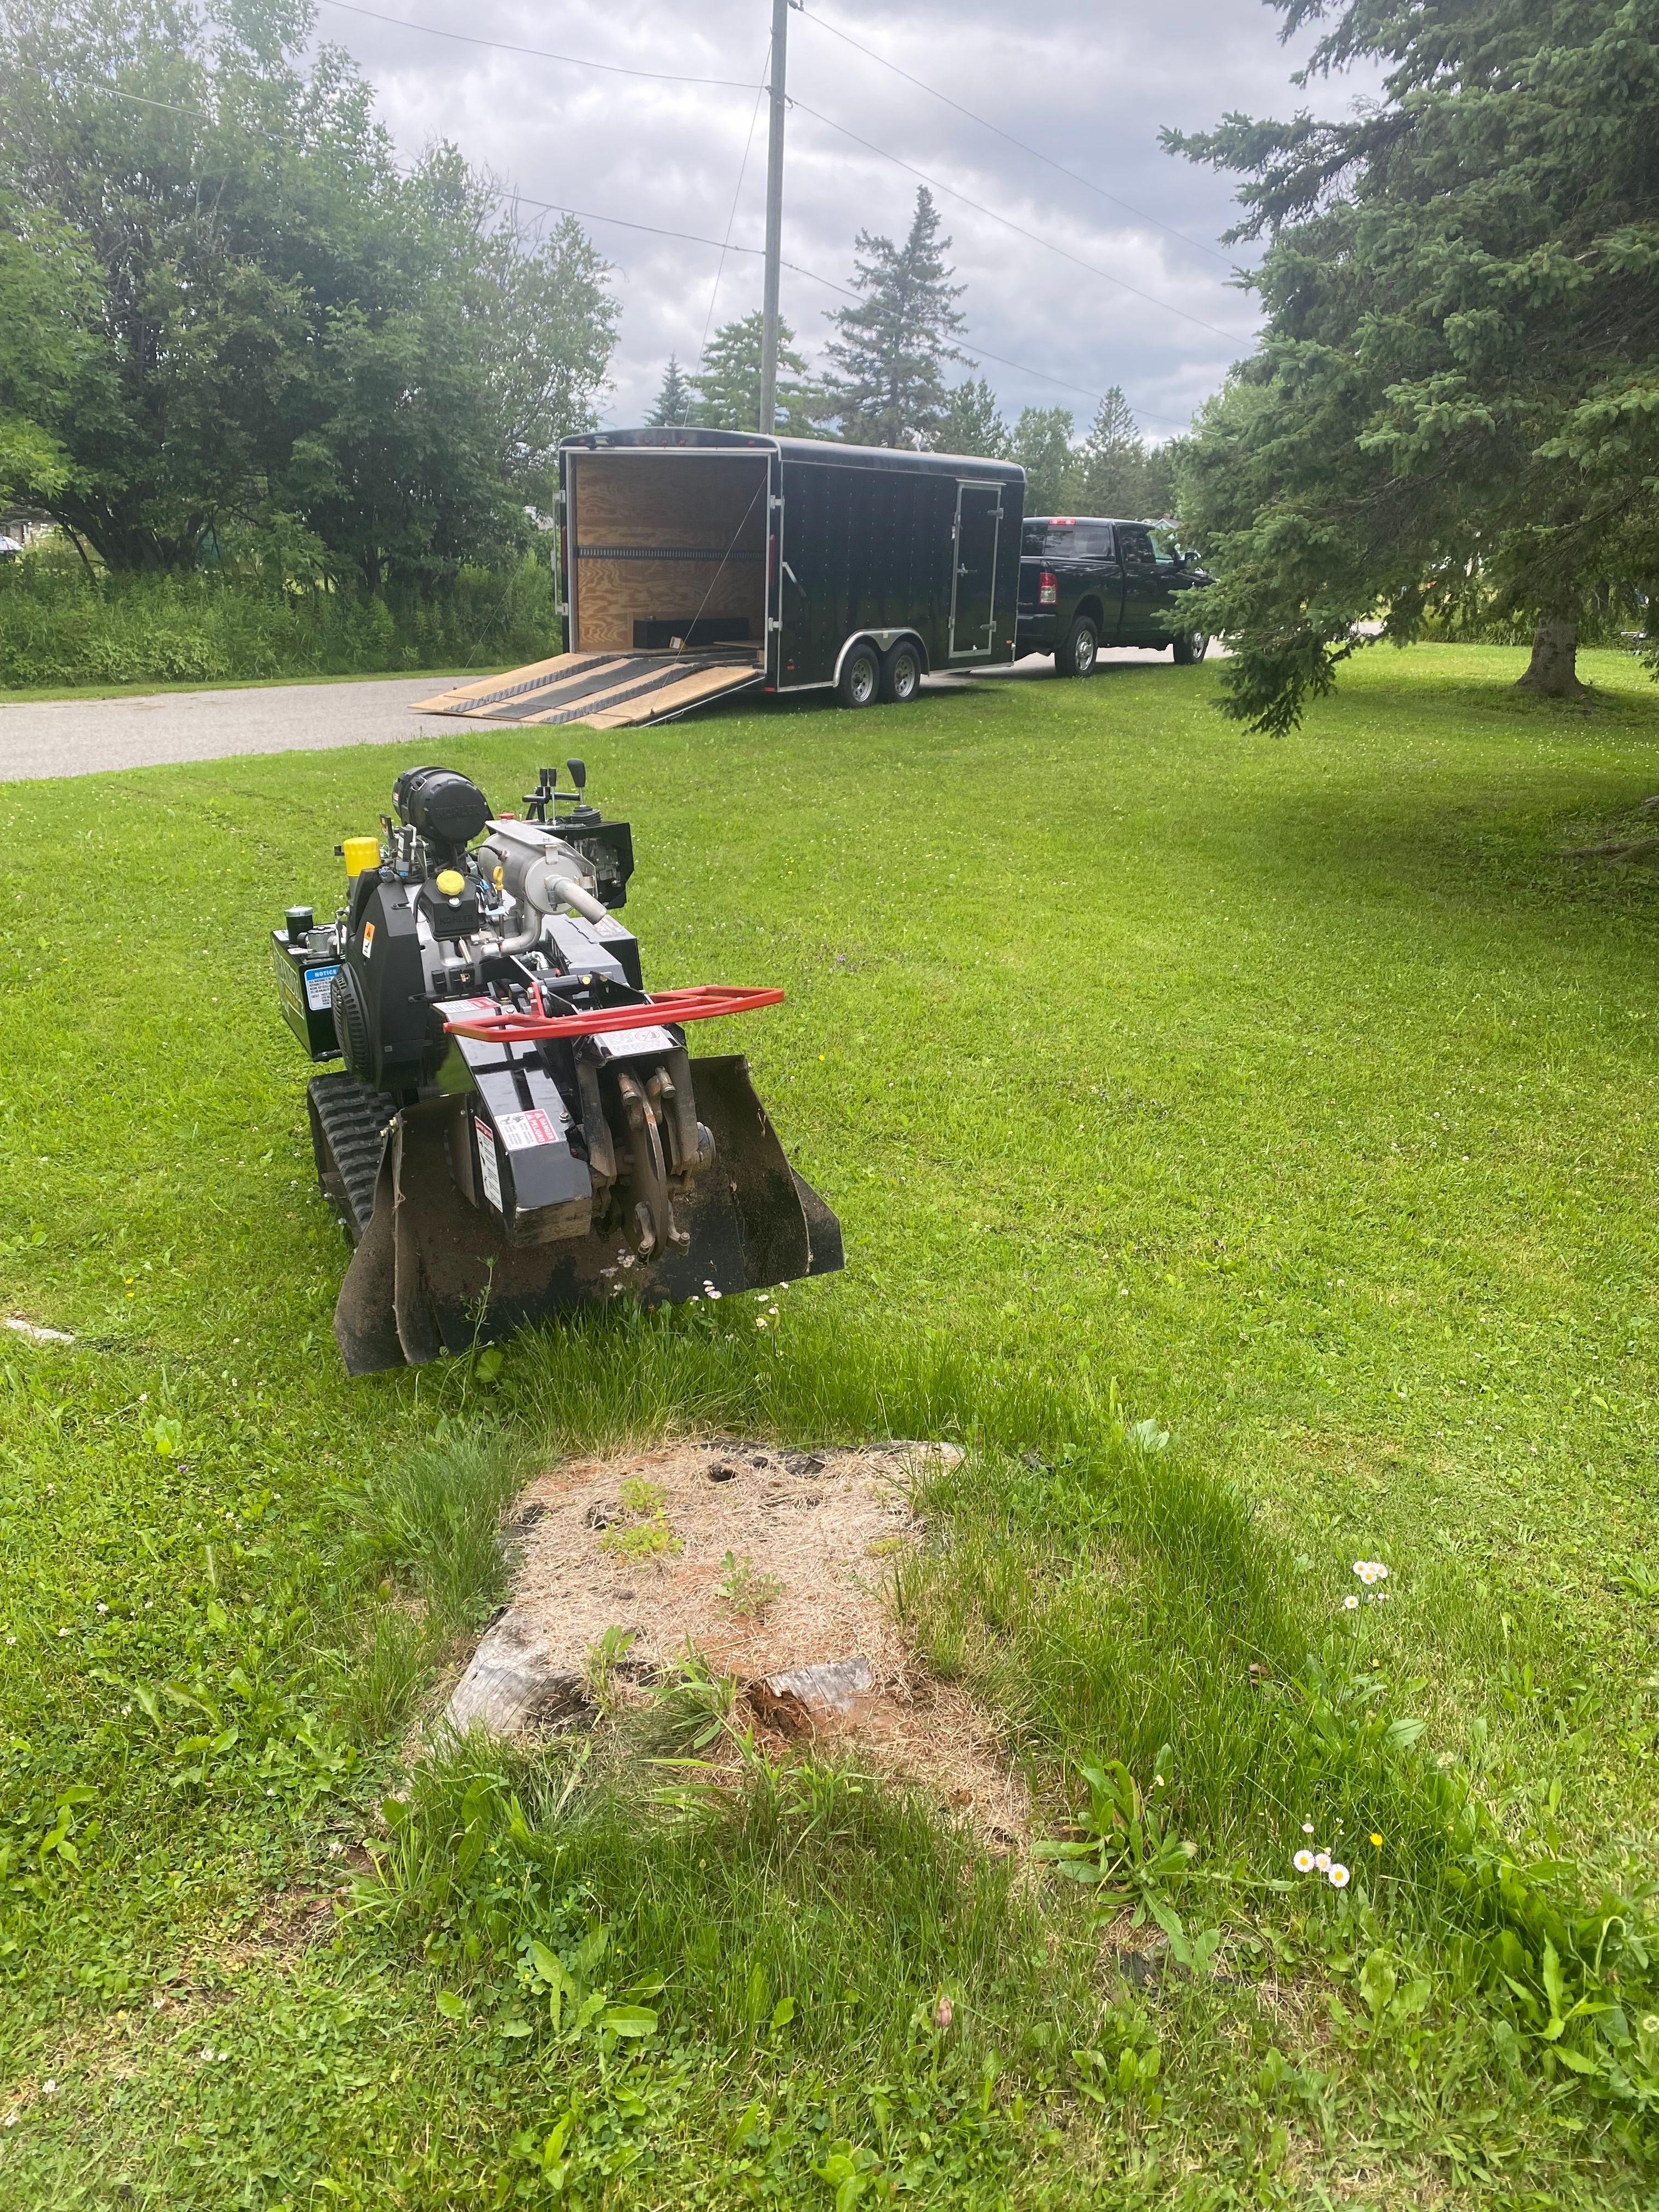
[(59, 625)]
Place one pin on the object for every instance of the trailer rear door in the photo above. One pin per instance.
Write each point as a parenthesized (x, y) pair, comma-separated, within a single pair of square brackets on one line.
[(605, 690), (973, 597)]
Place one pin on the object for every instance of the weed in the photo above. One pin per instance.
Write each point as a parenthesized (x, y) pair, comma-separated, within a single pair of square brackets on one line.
[(747, 1593)]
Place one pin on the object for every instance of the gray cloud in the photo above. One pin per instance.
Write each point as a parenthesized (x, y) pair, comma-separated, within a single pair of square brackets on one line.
[(1088, 86)]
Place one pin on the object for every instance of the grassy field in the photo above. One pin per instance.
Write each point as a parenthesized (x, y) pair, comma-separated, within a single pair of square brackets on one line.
[(1242, 1148)]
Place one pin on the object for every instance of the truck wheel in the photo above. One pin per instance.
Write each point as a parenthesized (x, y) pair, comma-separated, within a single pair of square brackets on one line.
[(900, 673), (1075, 654), (861, 675), (1191, 648)]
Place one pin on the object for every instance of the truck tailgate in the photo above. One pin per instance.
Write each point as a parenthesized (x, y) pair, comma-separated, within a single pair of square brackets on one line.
[(605, 690)]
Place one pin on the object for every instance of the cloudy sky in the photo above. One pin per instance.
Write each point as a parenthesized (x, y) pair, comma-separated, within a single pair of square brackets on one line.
[(1086, 86)]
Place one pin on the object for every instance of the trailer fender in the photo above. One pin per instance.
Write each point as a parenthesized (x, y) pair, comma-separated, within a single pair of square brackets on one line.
[(884, 640)]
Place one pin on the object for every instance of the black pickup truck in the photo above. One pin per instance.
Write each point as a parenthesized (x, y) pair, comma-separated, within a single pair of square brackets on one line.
[(1084, 583)]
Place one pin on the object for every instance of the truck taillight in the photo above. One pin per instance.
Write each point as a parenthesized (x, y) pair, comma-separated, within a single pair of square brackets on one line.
[(1048, 588)]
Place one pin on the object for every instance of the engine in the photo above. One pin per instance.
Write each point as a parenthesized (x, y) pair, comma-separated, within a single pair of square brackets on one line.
[(519, 1126)]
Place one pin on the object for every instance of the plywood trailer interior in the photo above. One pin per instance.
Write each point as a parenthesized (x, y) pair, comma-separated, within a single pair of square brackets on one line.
[(670, 550)]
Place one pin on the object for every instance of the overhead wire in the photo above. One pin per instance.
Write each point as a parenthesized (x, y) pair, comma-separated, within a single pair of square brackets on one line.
[(540, 53), (1008, 224), (738, 84), (719, 266), (985, 124)]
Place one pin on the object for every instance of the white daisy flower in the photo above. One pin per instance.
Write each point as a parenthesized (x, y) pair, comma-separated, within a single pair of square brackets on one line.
[(1303, 1862), (1322, 1861), (1307, 1827), (1337, 1875), (1351, 1603)]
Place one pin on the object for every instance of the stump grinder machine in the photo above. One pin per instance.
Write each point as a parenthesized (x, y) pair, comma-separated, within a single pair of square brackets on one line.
[(519, 1127)]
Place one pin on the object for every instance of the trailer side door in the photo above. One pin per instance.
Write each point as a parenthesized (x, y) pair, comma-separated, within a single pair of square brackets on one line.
[(973, 595)]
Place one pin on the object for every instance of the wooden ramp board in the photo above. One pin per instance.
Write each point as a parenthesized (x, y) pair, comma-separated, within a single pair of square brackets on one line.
[(606, 691)]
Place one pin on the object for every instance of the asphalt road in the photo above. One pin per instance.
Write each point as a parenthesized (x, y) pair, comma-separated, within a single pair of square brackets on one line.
[(95, 737)]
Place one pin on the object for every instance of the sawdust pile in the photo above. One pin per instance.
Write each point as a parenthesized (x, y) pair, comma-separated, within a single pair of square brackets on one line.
[(775, 1568)]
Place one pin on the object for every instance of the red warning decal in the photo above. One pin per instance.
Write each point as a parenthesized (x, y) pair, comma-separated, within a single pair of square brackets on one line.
[(520, 1131)]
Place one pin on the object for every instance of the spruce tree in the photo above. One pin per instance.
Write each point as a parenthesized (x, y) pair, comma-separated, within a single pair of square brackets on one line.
[(1455, 400), (971, 423), (1118, 473), (729, 384), (891, 348), (673, 402)]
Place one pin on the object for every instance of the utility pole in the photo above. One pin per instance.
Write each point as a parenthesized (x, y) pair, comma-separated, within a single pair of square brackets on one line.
[(774, 217)]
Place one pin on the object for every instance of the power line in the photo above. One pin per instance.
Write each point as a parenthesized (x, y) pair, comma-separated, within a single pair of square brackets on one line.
[(1140, 214), (539, 53), (1020, 229), (722, 246), (719, 266), (735, 84)]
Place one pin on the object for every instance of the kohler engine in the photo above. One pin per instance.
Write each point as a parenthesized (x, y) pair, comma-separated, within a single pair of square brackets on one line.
[(520, 1128)]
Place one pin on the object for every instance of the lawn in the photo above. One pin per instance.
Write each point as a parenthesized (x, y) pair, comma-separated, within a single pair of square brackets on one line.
[(1241, 1146)]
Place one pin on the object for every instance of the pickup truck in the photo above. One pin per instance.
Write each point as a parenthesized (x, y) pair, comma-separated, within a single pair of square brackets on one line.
[(1084, 582)]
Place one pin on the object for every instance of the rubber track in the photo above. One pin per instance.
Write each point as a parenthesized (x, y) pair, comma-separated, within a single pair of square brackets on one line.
[(355, 1120)]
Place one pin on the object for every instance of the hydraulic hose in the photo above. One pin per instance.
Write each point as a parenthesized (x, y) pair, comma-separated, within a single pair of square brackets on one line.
[(707, 1001)]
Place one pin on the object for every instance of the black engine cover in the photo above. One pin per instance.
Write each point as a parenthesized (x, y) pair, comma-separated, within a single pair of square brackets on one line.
[(379, 995)]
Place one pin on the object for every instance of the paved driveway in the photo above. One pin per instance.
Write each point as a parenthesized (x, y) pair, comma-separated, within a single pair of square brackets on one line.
[(92, 736)]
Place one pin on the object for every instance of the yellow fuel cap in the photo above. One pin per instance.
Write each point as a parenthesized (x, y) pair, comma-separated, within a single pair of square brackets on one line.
[(451, 882), (361, 852)]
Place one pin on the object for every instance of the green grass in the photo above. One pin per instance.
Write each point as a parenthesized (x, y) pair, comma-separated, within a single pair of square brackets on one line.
[(1292, 1098)]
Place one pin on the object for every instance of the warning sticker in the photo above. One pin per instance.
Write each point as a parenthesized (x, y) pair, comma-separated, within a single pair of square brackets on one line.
[(520, 1131), (369, 940), (489, 1171), (317, 983)]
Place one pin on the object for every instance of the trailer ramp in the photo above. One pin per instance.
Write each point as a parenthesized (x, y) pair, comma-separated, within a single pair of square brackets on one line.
[(604, 690)]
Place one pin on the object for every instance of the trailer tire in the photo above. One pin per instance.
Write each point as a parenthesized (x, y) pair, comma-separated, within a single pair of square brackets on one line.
[(859, 683), (1190, 649), (900, 673), (1075, 654)]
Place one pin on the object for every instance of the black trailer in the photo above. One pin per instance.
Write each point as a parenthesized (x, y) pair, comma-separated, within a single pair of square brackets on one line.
[(695, 563)]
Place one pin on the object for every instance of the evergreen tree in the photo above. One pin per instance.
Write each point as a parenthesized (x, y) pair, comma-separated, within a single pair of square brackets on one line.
[(729, 384), (891, 348), (1041, 444), (674, 401), (1118, 473), (971, 423), (1457, 394)]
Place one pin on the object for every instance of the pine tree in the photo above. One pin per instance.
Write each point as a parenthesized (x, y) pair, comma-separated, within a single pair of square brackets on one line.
[(892, 346), (971, 423), (729, 384), (1042, 446), (674, 401)]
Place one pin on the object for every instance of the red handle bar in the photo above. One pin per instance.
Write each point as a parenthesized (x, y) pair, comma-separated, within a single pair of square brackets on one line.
[(703, 1004)]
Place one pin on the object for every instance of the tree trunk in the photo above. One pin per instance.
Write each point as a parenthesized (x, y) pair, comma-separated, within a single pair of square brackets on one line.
[(1553, 671)]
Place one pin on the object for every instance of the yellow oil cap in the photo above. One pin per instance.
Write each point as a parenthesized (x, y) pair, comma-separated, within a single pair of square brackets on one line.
[(451, 882), (361, 852)]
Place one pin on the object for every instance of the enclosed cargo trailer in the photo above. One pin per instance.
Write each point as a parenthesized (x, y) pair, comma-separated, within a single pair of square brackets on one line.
[(695, 563)]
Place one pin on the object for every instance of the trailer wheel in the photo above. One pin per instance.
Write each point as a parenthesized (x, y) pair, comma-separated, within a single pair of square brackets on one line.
[(1075, 654), (1190, 649), (861, 675), (900, 673)]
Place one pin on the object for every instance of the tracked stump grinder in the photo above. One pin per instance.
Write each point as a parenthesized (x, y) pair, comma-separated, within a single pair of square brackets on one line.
[(519, 1128)]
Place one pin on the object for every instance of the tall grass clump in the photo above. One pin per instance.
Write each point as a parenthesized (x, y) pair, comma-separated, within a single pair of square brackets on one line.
[(62, 626)]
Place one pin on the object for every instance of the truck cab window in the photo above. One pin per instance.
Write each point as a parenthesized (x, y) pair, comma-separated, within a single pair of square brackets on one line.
[(1136, 548), (1077, 541), (1165, 551), (1031, 538)]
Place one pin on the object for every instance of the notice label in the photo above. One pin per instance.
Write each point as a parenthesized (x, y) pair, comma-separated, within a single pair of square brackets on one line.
[(520, 1131), (489, 1171), (369, 940), (317, 983)]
